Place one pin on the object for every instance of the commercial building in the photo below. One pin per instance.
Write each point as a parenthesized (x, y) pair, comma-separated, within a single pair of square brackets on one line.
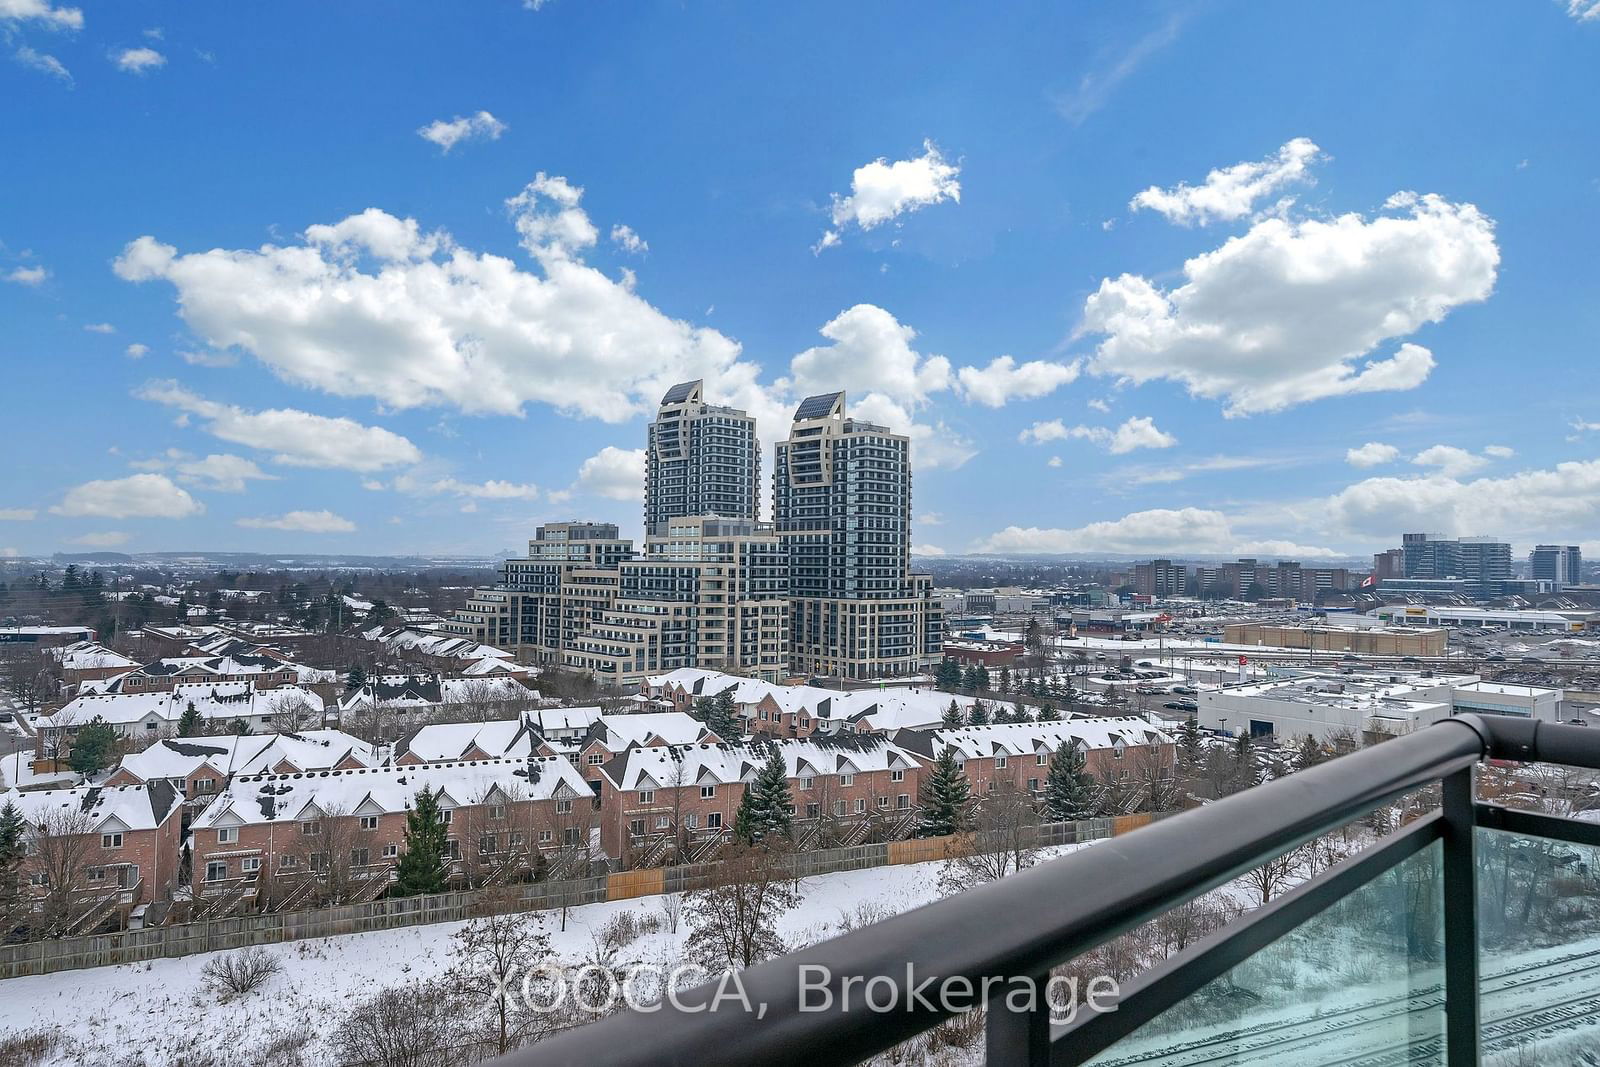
[(700, 459), (1560, 564), (1389, 564), (1360, 641), (1469, 617), (1481, 561), (1160, 577), (1251, 579), (842, 505), (1501, 698)]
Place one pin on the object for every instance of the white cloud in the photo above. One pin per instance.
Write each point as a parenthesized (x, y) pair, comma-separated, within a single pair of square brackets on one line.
[(1053, 461), (1137, 432), (479, 127), (108, 539), (138, 496), (296, 438), (44, 63), (1452, 462), (1584, 425), (208, 359), (17, 514), (871, 353), (99, 327), (1167, 473), (1231, 192), (27, 275), (42, 12), (136, 351), (881, 191), (1277, 316), (1161, 530), (1498, 451), (930, 518), (934, 446), (1004, 379), (627, 240), (138, 60), (933, 551), (429, 322), (1097, 85), (1371, 454), (1563, 501), (301, 522), (493, 489), (220, 472), (1584, 10), (612, 472), (1096, 404)]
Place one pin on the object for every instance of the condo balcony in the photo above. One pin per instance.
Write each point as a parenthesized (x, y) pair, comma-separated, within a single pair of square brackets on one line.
[(1469, 935)]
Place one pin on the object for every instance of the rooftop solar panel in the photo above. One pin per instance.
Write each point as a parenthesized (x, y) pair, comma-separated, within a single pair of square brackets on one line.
[(681, 392), (815, 407)]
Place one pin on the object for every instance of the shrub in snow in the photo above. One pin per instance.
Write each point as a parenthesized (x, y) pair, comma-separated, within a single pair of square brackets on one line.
[(240, 972)]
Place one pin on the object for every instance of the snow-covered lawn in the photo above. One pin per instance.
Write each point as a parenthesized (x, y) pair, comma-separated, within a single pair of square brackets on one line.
[(161, 1011)]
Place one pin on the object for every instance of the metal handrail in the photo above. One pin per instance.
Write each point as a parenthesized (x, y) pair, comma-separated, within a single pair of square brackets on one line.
[(1022, 925)]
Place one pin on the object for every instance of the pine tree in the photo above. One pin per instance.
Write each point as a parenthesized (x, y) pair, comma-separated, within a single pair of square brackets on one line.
[(946, 798), (356, 678), (1191, 744), (949, 676), (189, 724), (1002, 714), (722, 717), (93, 747), (980, 713), (1005, 679), (422, 867), (1069, 790), (764, 813), (952, 716), (13, 848), (1245, 771), (1309, 753), (1048, 713), (1019, 713)]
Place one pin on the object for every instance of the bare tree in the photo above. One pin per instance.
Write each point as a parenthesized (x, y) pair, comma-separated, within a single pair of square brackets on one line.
[(671, 905), (1155, 778), (733, 920), (59, 846), (234, 974), (1275, 875), (405, 1026), (489, 954), (291, 713), (1003, 841)]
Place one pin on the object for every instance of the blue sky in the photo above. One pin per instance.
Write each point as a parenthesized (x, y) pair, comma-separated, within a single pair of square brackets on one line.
[(1139, 278)]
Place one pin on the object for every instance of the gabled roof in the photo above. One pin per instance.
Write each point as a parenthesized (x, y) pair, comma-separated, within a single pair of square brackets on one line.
[(1027, 738), (123, 807)]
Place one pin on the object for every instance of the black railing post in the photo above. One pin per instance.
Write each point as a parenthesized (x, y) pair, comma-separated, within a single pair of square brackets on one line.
[(1019, 1037), (1460, 922)]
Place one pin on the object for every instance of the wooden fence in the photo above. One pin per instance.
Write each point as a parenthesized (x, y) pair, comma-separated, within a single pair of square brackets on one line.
[(183, 939)]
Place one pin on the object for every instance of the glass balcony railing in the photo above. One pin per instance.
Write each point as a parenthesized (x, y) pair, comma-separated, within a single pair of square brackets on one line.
[(1469, 935)]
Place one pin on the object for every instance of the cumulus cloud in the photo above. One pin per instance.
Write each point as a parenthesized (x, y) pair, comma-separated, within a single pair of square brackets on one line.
[(1584, 10), (447, 134), (1561, 501), (1160, 530), (882, 191), (17, 514), (871, 353), (493, 489), (1371, 454), (1279, 315), (43, 62), (108, 539), (1498, 451), (136, 351), (1135, 433), (624, 237), (372, 306), (138, 60), (27, 275), (617, 473), (301, 522), (99, 327), (42, 13), (1450, 461), (138, 496), (1004, 380), (933, 551), (1230, 193), (220, 472), (295, 438)]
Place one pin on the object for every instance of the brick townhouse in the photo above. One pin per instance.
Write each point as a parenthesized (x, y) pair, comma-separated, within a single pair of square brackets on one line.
[(119, 845), (350, 824), (263, 672), (1021, 753), (199, 767)]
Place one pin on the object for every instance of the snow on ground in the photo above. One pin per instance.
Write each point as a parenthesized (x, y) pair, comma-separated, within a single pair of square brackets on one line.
[(160, 1009)]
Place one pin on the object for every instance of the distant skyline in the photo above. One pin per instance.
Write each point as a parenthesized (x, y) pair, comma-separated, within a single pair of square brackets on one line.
[(1157, 279)]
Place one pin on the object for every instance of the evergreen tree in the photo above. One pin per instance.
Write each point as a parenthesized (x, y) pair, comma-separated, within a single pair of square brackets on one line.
[(1191, 745), (1002, 714), (189, 724), (239, 727), (969, 677), (979, 679), (423, 866), (1309, 753), (952, 716), (1245, 771), (1069, 789), (949, 676), (1048, 713), (764, 814), (1005, 679), (13, 848), (946, 798), (1019, 713), (722, 717), (356, 678), (980, 713), (94, 746)]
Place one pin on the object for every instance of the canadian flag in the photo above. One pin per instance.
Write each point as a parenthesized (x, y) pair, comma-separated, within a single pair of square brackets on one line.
[(1371, 579)]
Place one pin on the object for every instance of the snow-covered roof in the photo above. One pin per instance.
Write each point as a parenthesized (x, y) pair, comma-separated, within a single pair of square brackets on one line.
[(668, 765), (380, 790), (1022, 738), (89, 656), (425, 690), (250, 754), (617, 732), (848, 753), (442, 741), (109, 808), (213, 700), (881, 709), (442, 645), (16, 771)]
